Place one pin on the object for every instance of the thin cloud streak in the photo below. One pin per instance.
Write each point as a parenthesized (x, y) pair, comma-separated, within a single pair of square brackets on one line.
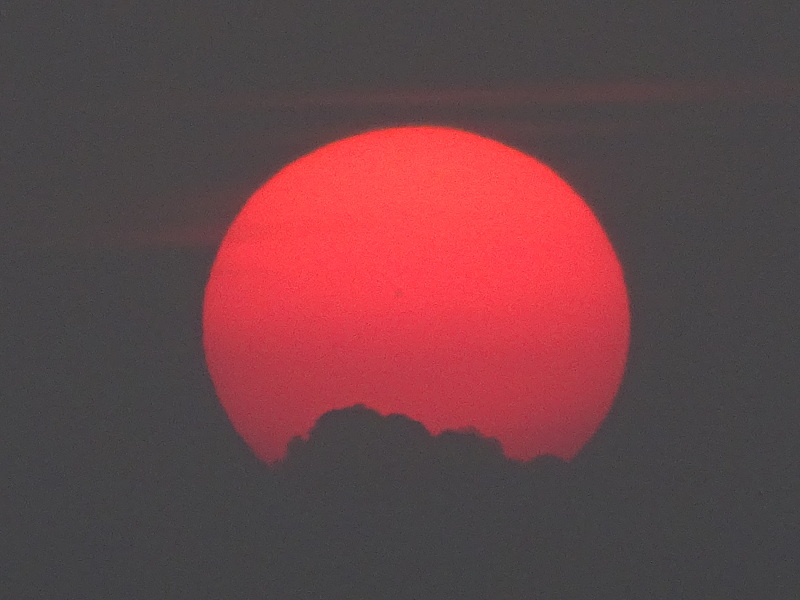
[(559, 114)]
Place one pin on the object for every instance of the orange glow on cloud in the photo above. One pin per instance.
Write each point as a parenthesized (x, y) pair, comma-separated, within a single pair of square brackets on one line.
[(424, 271)]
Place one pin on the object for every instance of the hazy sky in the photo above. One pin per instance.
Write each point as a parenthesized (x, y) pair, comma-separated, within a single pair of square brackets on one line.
[(143, 117)]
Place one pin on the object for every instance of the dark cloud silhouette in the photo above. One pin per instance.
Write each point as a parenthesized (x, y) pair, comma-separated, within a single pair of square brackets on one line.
[(359, 442), (413, 513)]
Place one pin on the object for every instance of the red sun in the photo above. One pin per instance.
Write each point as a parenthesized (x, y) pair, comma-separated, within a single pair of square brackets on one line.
[(418, 270)]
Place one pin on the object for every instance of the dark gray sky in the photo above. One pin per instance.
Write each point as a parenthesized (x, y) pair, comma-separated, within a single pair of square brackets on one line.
[(133, 133), (141, 114)]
